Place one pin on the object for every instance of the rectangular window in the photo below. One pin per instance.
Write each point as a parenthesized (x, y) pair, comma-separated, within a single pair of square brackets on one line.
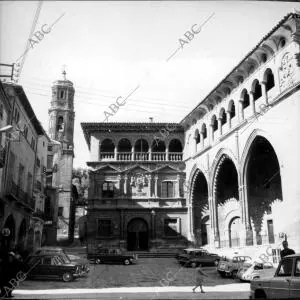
[(32, 143), (50, 148), (167, 190), (29, 183), (108, 189), (49, 161), (104, 227), (171, 227), (39, 185), (60, 211), (38, 162), (21, 177)]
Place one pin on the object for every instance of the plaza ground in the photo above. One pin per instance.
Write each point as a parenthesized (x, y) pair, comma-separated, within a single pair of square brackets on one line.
[(150, 278)]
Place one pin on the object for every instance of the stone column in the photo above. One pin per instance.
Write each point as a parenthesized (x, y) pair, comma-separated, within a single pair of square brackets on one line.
[(116, 153), (125, 184), (264, 92), (177, 187), (167, 153), (241, 110), (252, 102), (228, 119), (132, 153), (211, 134), (202, 139), (149, 177), (155, 186), (150, 154), (215, 222), (220, 126), (94, 148)]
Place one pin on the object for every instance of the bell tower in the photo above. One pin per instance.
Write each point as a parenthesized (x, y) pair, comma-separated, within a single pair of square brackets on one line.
[(61, 112), (61, 129)]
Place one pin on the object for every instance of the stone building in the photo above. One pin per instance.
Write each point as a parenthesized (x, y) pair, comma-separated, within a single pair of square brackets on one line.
[(242, 149), (18, 176), (136, 199), (61, 129)]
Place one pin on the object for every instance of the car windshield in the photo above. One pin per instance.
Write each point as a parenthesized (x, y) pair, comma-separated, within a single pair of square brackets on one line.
[(65, 258)]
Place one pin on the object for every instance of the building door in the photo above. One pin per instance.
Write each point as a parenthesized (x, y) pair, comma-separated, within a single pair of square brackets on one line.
[(137, 235), (204, 230), (234, 232)]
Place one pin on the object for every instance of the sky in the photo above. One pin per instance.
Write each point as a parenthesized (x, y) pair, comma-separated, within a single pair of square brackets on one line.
[(110, 48)]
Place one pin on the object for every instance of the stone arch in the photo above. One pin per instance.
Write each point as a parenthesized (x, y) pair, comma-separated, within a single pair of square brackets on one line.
[(107, 145), (261, 176), (137, 234)]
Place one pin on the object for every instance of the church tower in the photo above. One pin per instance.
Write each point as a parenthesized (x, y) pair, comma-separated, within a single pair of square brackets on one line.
[(61, 129)]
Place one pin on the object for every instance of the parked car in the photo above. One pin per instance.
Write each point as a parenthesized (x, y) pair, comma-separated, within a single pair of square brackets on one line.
[(84, 264), (107, 255), (285, 283), (195, 257), (228, 267), (51, 266), (249, 271)]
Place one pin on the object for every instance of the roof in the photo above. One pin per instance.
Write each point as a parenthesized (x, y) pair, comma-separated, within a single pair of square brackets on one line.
[(27, 107), (288, 16), (4, 98), (127, 127)]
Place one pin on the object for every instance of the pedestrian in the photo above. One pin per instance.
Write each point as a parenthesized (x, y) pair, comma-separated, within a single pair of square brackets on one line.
[(286, 250), (199, 279)]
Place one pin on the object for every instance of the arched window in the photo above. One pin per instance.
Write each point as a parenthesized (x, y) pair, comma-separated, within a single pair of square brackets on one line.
[(204, 131), (124, 145), (175, 146), (141, 145), (60, 122), (214, 122), (223, 116), (256, 90), (197, 136), (269, 79), (231, 109), (246, 98)]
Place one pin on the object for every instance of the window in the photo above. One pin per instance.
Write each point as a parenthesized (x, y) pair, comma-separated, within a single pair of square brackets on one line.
[(38, 185), (60, 211), (61, 94), (171, 227), (29, 183), (49, 148), (270, 83), (223, 118), (197, 136), (104, 227), (297, 269), (204, 131), (285, 268), (282, 43), (49, 161), (21, 176), (232, 111), (32, 143), (215, 123), (257, 91), (108, 189), (60, 124), (38, 162), (25, 131), (1, 111), (270, 231), (167, 189), (246, 100)]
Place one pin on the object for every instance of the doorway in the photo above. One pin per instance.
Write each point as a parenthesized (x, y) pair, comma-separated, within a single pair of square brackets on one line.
[(137, 235)]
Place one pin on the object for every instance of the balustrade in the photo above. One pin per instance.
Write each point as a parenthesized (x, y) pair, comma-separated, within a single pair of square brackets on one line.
[(124, 156), (107, 155), (175, 156)]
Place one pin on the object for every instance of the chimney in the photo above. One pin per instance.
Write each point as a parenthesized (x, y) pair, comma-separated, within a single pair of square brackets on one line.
[(151, 119)]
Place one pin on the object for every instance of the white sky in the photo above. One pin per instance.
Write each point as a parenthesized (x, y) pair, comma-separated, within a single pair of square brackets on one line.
[(111, 47)]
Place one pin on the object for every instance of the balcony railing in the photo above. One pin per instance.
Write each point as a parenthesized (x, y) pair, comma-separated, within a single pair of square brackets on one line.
[(14, 190), (2, 156), (141, 156)]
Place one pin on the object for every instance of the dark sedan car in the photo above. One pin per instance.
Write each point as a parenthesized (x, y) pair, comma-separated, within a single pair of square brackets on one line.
[(195, 257), (106, 255), (51, 266), (84, 264)]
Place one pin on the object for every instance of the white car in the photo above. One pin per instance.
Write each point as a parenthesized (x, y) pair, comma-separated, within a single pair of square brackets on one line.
[(284, 284), (250, 271)]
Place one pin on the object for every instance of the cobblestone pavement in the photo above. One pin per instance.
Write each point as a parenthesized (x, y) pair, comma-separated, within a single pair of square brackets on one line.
[(148, 272)]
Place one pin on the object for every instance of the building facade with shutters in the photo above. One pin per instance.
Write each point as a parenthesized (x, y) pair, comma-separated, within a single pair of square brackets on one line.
[(136, 198)]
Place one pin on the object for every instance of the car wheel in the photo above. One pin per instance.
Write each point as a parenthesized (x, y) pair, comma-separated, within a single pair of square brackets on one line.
[(98, 261), (67, 277), (126, 262), (216, 262), (194, 265)]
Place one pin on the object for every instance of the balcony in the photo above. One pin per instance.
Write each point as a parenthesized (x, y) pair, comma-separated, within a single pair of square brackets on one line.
[(140, 156), (15, 192), (2, 156)]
